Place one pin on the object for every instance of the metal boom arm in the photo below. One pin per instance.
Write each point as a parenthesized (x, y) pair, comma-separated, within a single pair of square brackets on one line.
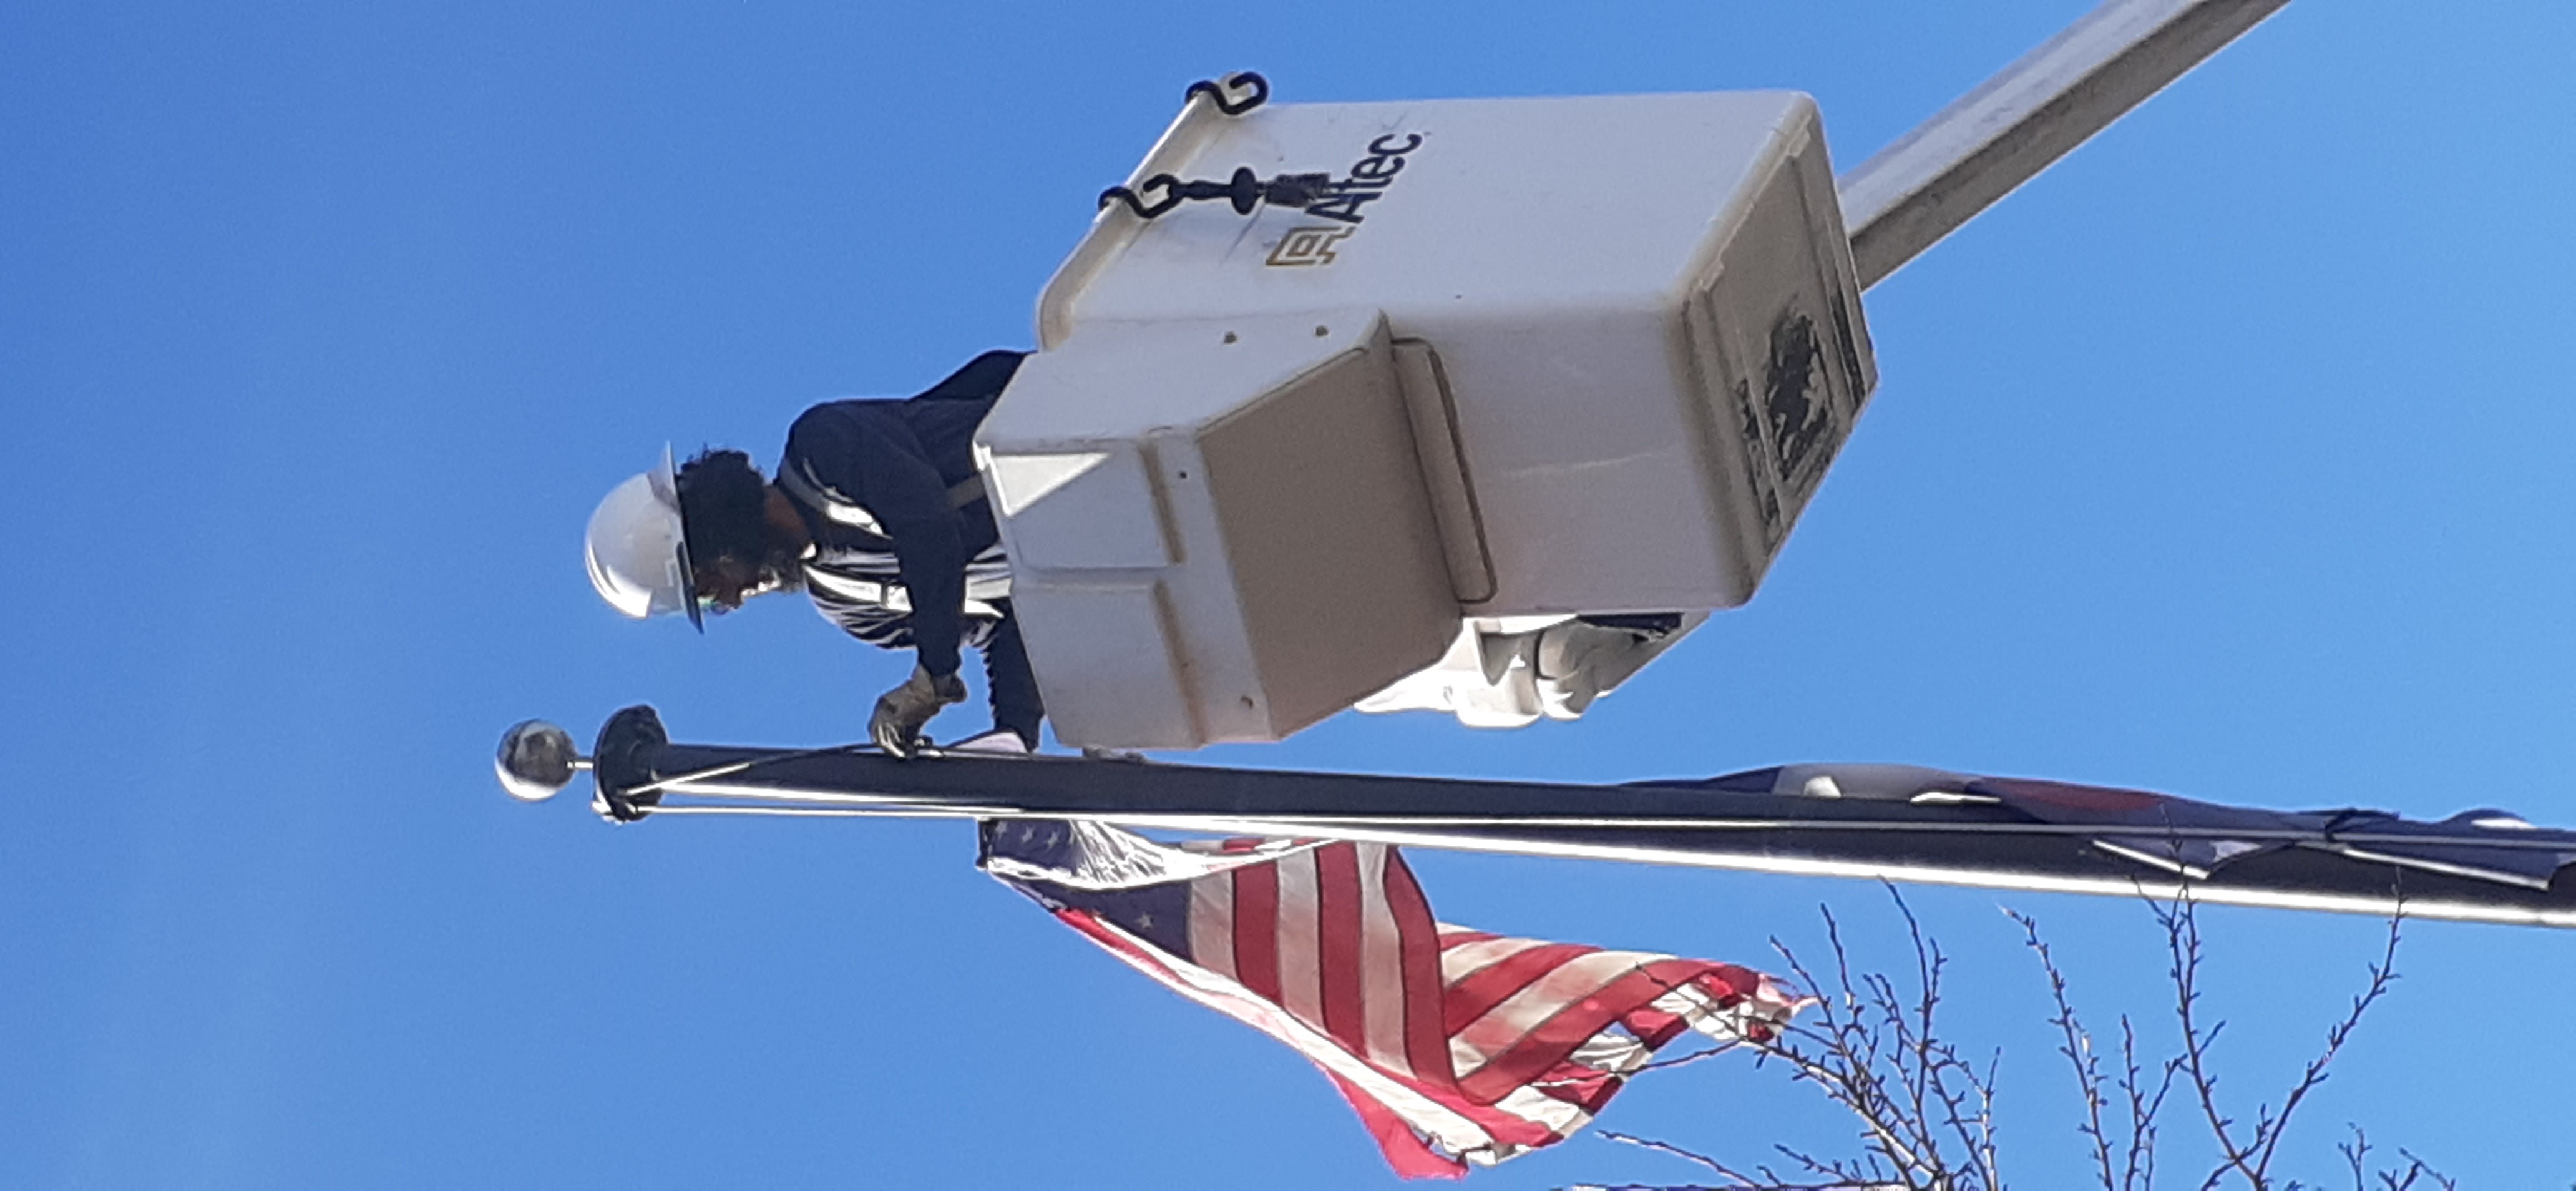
[(1994, 138)]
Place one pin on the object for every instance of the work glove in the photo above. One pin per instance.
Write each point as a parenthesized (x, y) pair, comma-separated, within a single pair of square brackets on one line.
[(902, 712)]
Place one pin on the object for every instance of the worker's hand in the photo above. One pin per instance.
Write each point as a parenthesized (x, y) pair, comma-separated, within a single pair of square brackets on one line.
[(902, 712)]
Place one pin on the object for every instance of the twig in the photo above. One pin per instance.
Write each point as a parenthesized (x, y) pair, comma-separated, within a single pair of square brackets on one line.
[(1740, 1180), (2382, 975), (2077, 1046), (2134, 1168), (2356, 1156), (2251, 1159), (2140, 1162)]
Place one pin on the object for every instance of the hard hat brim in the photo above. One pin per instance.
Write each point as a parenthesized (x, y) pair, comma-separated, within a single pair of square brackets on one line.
[(667, 478)]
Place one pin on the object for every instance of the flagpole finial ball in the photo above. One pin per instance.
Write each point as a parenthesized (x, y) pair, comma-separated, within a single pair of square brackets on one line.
[(535, 761)]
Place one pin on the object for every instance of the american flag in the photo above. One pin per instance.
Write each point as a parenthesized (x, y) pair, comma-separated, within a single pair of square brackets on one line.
[(1455, 1046)]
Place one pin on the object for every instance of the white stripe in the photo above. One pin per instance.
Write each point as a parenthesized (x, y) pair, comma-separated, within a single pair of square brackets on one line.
[(1530, 1104), (1466, 959), (889, 596), (1613, 1050), (1523, 1011), (1691, 1003), (1382, 1001), (1700, 1011), (1453, 1132), (1301, 978), (1212, 923)]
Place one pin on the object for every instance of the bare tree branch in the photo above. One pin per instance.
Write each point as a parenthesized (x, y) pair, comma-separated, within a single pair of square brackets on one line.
[(2382, 975), (2182, 945), (2251, 1158), (2077, 1045), (2140, 1161), (2356, 1154), (1926, 1113), (1738, 1181)]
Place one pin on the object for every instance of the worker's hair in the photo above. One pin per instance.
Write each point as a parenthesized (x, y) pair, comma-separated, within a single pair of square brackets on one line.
[(721, 498)]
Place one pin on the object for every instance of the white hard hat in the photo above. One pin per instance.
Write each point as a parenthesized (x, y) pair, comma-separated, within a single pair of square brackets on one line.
[(638, 552)]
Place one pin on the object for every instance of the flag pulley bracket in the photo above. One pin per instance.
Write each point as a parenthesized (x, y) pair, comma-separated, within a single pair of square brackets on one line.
[(625, 763)]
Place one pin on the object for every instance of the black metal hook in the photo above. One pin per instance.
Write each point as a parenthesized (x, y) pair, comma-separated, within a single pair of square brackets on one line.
[(1221, 92), (1243, 191), (1136, 202)]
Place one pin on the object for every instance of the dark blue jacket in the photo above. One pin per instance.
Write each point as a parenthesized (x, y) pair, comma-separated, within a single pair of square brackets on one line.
[(876, 483)]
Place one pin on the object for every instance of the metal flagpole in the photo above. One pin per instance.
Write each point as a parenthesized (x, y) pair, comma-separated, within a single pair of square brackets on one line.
[(1936, 827)]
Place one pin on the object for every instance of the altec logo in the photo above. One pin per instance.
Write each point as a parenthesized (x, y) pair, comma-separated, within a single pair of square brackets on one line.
[(1308, 245), (1366, 182)]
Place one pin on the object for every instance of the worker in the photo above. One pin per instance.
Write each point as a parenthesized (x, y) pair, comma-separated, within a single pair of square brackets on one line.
[(877, 513)]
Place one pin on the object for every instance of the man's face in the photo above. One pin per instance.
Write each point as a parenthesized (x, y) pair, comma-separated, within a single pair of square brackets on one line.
[(726, 582)]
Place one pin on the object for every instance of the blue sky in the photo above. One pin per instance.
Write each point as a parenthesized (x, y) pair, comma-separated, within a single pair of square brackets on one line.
[(2227, 459)]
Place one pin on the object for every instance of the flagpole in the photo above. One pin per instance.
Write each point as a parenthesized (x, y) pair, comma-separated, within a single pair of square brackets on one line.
[(2468, 869)]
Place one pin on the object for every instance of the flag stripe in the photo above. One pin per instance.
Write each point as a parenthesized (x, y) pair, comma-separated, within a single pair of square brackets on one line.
[(1463, 959), (1548, 1042), (1212, 930), (1408, 1154), (1565, 985), (1654, 1027), (1426, 1037), (1340, 970), (1300, 949), (1476, 994), (1382, 960), (1256, 929)]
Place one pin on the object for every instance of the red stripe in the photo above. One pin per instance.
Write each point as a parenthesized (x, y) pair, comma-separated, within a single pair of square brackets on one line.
[(1481, 990), (1654, 1027), (1426, 1034), (1404, 1149), (1554, 1039), (1577, 1085), (1337, 937), (1256, 930)]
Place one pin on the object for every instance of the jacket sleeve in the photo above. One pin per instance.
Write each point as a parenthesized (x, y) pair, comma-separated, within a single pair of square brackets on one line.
[(983, 377), (875, 458)]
